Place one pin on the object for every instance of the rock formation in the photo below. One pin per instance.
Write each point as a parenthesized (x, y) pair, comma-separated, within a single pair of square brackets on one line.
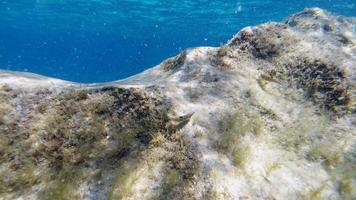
[(269, 115)]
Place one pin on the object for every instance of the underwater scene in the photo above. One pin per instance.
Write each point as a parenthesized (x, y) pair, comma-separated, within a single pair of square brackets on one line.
[(91, 41), (177, 100)]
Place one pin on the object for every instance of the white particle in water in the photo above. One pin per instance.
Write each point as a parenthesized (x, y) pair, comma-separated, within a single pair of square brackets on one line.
[(238, 8)]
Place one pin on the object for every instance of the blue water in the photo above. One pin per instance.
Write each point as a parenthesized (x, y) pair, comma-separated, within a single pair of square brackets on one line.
[(104, 40)]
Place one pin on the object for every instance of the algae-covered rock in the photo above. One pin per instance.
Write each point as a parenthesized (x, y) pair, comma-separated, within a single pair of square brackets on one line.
[(269, 115)]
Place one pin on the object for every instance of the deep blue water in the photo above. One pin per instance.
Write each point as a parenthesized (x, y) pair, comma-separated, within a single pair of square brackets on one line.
[(105, 40)]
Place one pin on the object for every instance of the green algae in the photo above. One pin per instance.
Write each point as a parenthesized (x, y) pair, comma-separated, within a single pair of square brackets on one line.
[(124, 180), (63, 185), (174, 64), (70, 131), (232, 127)]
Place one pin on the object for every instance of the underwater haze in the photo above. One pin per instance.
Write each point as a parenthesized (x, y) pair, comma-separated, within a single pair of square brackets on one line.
[(104, 40)]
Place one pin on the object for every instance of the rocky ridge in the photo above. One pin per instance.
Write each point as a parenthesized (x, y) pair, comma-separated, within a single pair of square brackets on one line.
[(269, 115)]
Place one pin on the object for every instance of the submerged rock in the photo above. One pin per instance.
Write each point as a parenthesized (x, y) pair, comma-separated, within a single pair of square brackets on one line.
[(269, 115)]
